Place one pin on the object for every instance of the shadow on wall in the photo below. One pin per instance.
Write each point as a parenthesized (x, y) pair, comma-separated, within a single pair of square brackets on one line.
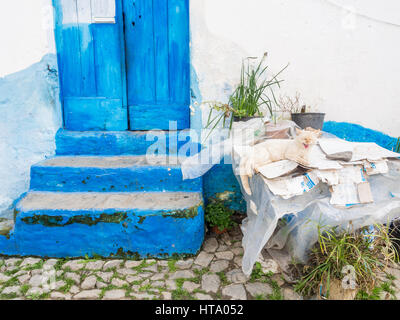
[(30, 115), (210, 56)]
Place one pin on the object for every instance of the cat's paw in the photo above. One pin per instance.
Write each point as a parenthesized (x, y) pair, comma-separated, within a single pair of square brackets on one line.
[(303, 161)]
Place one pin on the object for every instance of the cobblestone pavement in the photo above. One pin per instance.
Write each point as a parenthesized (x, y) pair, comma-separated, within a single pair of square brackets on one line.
[(215, 273)]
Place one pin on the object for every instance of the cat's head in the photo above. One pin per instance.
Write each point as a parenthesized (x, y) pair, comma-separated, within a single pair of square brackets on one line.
[(307, 138)]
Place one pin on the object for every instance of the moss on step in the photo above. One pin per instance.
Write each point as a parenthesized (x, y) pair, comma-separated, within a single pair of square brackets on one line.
[(188, 213), (129, 255), (126, 255), (57, 221), (141, 219)]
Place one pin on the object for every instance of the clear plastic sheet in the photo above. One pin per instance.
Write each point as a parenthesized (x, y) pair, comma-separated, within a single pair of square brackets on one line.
[(309, 210)]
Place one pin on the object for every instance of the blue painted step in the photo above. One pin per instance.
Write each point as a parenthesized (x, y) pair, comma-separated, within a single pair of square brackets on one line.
[(133, 225), (111, 174), (179, 143)]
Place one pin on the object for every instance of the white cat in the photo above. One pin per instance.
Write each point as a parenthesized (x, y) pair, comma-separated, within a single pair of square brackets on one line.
[(273, 150)]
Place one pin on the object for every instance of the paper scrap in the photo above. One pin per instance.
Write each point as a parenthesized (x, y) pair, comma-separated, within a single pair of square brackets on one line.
[(103, 11), (364, 192), (360, 150), (330, 177), (376, 167), (277, 169), (289, 187), (344, 194), (351, 174)]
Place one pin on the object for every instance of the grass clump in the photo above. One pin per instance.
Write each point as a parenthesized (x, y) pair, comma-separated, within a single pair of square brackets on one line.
[(8, 296), (260, 276), (69, 283), (181, 294), (222, 276), (352, 257), (25, 288), (171, 265), (38, 265)]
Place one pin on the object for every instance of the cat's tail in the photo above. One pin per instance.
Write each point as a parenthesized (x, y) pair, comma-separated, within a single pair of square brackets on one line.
[(246, 171)]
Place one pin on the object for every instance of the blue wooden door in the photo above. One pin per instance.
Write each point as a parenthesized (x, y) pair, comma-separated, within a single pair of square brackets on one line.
[(157, 63), (91, 64)]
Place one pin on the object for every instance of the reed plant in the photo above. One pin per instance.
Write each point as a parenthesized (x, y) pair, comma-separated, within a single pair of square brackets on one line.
[(367, 253), (254, 91)]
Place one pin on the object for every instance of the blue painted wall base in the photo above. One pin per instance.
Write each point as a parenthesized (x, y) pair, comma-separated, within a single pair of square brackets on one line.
[(220, 183)]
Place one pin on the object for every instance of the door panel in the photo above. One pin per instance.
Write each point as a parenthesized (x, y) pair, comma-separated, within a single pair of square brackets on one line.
[(139, 51), (161, 50), (179, 58), (157, 63), (90, 67)]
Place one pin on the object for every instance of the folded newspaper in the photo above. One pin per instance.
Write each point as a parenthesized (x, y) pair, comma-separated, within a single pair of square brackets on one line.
[(348, 180)]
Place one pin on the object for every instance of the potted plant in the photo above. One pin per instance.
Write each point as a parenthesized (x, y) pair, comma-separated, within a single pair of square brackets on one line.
[(218, 217), (286, 106), (253, 93), (300, 114)]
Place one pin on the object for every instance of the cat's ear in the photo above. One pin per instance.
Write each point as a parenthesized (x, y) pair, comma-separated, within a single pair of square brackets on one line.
[(298, 131)]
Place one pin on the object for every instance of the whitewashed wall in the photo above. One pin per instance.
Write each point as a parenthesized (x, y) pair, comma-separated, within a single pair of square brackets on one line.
[(26, 33), (29, 101), (344, 55)]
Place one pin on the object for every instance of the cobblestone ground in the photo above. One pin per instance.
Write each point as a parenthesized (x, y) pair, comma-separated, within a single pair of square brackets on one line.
[(212, 275)]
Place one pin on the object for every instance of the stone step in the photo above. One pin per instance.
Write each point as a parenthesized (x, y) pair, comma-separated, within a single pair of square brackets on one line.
[(126, 142), (133, 225), (111, 174)]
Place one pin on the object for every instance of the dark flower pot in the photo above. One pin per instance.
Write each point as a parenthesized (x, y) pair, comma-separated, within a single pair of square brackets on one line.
[(309, 119)]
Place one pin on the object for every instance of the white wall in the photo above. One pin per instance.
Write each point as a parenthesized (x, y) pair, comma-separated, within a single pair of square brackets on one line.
[(29, 100), (26, 33), (344, 55)]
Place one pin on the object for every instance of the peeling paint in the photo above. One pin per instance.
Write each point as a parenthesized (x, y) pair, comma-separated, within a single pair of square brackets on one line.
[(224, 196), (6, 225)]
